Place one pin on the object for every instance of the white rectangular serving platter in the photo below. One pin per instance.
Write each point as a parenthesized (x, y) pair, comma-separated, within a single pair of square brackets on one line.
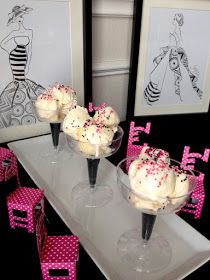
[(100, 228)]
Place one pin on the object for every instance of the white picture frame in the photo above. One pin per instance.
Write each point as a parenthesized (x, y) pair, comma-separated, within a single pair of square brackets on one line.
[(175, 94), (75, 8)]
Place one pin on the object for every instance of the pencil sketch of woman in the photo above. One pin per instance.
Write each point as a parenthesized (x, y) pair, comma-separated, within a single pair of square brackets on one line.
[(173, 59), (17, 97)]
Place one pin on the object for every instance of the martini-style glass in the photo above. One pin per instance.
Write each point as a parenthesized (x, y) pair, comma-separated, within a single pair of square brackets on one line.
[(144, 250), (91, 194)]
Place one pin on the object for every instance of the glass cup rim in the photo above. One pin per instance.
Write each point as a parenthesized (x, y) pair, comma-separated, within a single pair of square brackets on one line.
[(144, 197), (121, 133)]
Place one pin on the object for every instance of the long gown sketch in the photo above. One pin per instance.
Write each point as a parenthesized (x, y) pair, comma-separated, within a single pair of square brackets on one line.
[(172, 58), (17, 97)]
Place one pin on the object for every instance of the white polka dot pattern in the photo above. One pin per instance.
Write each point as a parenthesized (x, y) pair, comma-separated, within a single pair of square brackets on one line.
[(132, 149), (92, 108), (10, 169), (24, 199), (189, 159), (198, 195), (60, 252)]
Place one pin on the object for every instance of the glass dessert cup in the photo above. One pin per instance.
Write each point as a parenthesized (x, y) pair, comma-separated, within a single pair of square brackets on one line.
[(144, 250), (52, 117), (92, 194)]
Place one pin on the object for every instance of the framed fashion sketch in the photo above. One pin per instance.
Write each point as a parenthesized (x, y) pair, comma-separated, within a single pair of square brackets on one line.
[(41, 43), (170, 60)]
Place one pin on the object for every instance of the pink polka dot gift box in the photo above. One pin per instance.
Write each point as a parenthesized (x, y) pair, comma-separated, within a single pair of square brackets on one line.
[(8, 165)]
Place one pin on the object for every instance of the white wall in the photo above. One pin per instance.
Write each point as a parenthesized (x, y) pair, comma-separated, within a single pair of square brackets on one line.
[(111, 31)]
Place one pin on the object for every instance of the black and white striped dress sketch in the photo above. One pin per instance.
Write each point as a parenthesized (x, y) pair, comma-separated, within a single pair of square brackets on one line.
[(16, 99), (18, 60), (172, 58)]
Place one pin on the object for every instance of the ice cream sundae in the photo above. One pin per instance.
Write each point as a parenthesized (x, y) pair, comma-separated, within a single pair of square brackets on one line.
[(92, 137), (93, 134), (156, 182), (55, 102), (52, 106)]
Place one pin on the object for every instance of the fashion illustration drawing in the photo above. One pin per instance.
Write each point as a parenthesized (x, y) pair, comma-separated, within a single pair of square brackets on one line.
[(16, 99), (172, 66)]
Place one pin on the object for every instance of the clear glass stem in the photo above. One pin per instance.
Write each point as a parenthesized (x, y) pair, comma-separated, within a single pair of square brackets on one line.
[(55, 131), (92, 171), (148, 221)]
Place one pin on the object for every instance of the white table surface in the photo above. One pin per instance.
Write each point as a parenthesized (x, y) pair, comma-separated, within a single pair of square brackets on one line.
[(100, 228)]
